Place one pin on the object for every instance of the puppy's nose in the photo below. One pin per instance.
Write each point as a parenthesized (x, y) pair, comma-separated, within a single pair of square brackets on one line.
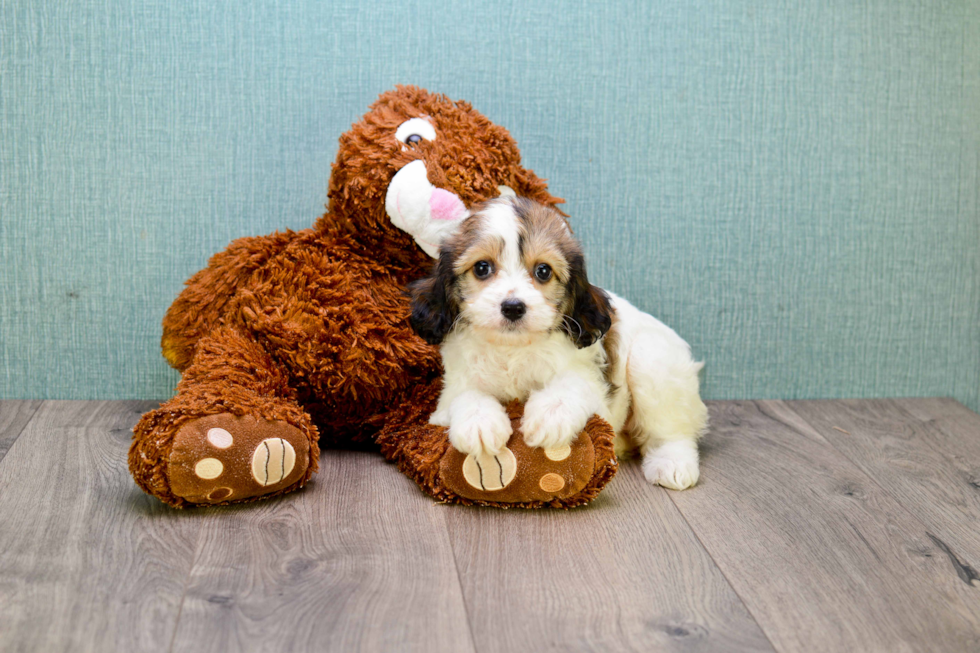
[(513, 309)]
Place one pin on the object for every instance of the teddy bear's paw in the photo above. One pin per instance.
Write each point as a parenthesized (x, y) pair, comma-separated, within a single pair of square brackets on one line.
[(520, 474), (223, 458)]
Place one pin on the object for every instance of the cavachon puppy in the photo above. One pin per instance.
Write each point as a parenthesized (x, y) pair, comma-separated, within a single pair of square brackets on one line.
[(512, 308)]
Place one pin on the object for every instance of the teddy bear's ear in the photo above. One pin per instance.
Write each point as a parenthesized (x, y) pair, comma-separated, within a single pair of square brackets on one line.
[(434, 305)]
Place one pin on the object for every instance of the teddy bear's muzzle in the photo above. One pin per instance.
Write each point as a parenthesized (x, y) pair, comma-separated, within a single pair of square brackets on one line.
[(428, 213)]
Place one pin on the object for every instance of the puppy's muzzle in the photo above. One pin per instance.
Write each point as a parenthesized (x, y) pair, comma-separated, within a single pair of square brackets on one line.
[(513, 309)]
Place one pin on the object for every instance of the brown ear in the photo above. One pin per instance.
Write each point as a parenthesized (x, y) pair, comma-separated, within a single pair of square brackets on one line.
[(589, 314), (434, 307)]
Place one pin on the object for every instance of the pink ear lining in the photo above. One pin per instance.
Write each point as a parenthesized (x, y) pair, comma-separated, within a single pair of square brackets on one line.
[(445, 205)]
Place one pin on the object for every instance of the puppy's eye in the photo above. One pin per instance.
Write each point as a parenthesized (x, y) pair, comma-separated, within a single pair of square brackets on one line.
[(482, 269), (542, 272)]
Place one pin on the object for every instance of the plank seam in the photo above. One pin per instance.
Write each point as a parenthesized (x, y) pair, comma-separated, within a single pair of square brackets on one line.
[(720, 569), (22, 429), (187, 584), (459, 581)]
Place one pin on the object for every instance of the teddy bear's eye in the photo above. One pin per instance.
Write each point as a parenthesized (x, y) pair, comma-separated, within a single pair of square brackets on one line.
[(415, 131)]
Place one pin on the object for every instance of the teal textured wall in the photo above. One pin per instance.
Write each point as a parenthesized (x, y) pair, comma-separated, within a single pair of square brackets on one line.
[(792, 185)]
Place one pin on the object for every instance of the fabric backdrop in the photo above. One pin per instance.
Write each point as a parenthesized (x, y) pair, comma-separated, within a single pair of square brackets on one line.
[(793, 186)]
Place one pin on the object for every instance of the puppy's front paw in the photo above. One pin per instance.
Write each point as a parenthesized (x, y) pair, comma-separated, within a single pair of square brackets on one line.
[(551, 420), (673, 465), (481, 427), (440, 418)]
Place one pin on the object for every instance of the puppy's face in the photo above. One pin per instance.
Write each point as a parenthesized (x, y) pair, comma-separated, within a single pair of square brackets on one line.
[(512, 271)]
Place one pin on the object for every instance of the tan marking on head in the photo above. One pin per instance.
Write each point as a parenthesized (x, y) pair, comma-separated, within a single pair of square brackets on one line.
[(545, 238), (486, 247), (471, 243)]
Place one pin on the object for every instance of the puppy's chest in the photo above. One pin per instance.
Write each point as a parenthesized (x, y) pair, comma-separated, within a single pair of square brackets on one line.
[(509, 372)]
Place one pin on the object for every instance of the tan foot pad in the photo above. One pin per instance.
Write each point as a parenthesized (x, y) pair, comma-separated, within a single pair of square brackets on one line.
[(222, 458), (520, 474)]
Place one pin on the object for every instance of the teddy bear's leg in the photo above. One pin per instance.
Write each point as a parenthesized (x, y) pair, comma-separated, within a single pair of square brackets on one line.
[(519, 476), (233, 432)]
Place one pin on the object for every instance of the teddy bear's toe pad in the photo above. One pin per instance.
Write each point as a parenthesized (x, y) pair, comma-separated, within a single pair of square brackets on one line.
[(222, 458), (520, 474), (490, 472)]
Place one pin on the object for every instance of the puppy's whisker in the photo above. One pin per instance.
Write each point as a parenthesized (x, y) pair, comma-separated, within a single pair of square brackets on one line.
[(566, 318), (456, 323)]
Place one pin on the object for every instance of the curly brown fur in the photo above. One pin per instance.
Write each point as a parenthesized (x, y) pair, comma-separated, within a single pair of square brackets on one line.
[(229, 374), (311, 327)]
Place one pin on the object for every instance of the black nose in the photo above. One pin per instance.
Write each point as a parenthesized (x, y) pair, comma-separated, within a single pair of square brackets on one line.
[(513, 309)]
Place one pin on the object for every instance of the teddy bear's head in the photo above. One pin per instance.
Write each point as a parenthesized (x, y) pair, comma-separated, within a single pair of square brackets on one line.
[(411, 168)]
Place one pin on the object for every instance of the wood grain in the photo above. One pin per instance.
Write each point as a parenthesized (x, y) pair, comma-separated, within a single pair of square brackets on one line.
[(14, 416), (800, 537), (822, 557), (931, 466), (358, 561), (88, 563), (625, 573)]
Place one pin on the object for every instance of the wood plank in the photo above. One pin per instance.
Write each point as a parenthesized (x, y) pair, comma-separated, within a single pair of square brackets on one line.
[(961, 430), (931, 467), (822, 557), (14, 416), (89, 562), (358, 561), (624, 573), (948, 413)]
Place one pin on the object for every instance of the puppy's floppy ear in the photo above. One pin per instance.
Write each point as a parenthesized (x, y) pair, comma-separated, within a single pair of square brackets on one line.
[(434, 308), (589, 314)]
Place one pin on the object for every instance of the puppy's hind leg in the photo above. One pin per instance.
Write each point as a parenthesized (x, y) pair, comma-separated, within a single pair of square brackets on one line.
[(668, 415)]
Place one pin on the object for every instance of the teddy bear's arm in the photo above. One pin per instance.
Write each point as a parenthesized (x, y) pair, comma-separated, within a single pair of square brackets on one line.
[(339, 324), (199, 307), (372, 355)]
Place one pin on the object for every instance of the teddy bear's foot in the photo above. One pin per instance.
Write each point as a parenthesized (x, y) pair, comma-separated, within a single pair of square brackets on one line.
[(223, 458), (531, 476), (518, 477), (520, 473)]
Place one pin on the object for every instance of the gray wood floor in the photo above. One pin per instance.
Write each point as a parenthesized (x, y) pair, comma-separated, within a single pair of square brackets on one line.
[(817, 526)]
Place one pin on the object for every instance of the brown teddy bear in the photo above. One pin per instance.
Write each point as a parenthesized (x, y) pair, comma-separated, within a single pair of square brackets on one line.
[(296, 338)]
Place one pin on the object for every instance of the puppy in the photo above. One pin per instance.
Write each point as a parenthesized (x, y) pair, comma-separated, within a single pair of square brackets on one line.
[(512, 308)]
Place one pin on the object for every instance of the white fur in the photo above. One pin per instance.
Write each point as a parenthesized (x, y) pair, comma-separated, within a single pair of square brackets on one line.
[(489, 361), (408, 208), (478, 423), (407, 200)]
